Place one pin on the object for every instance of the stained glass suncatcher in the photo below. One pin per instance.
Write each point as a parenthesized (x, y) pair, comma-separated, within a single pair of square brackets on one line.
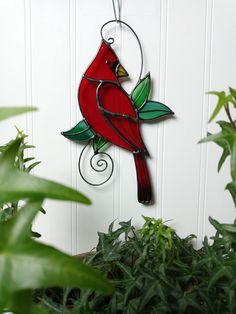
[(111, 115)]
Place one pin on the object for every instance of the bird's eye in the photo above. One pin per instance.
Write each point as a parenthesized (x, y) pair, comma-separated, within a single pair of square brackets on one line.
[(108, 62)]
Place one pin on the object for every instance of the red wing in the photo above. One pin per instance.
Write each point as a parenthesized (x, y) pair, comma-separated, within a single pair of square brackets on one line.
[(118, 110)]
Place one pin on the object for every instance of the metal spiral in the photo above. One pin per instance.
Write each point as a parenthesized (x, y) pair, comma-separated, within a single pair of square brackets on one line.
[(101, 165)]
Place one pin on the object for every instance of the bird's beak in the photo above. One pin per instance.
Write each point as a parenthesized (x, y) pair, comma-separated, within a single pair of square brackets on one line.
[(120, 71)]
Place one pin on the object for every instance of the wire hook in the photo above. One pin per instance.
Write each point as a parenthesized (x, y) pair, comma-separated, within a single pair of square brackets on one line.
[(111, 40)]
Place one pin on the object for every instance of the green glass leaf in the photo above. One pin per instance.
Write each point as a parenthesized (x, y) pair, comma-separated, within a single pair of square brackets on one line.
[(100, 144), (153, 110), (141, 92), (8, 112), (26, 264), (81, 132), (24, 185)]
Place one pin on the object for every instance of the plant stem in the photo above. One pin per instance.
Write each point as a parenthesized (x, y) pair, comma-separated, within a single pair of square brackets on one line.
[(230, 117)]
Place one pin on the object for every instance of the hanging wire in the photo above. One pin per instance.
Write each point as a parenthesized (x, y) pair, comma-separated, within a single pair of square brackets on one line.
[(117, 17)]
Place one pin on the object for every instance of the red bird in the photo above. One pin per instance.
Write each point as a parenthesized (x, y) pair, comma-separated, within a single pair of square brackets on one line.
[(110, 112)]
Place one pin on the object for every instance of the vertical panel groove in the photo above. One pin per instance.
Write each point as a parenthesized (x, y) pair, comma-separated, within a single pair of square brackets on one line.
[(75, 112), (28, 69), (71, 161), (115, 177), (161, 127), (116, 150), (208, 107), (204, 121), (72, 84)]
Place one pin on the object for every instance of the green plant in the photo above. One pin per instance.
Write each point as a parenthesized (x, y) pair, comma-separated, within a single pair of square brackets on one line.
[(8, 112), (23, 164), (26, 264), (152, 269), (226, 138), (186, 281)]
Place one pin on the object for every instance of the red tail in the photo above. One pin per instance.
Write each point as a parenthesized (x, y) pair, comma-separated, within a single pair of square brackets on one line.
[(143, 179)]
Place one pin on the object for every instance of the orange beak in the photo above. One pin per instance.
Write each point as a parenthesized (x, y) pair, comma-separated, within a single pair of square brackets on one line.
[(120, 71)]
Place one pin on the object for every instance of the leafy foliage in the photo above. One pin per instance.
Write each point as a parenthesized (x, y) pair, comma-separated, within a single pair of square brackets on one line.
[(8, 112), (155, 271), (8, 210), (22, 164), (223, 100), (226, 138), (26, 186), (27, 264), (24, 263)]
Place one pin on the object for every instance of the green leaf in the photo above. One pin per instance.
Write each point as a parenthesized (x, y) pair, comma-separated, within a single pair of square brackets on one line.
[(220, 140), (224, 155), (226, 139), (21, 303), (126, 270), (229, 228), (81, 132), (216, 224), (222, 100), (24, 185), (141, 92), (153, 110), (26, 264), (232, 92), (32, 166), (224, 271), (8, 112), (233, 159), (231, 187), (100, 144)]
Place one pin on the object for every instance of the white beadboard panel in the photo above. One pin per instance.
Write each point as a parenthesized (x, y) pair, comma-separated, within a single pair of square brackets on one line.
[(188, 47), (147, 24), (90, 17), (51, 94), (73, 116), (184, 90), (219, 204), (12, 64)]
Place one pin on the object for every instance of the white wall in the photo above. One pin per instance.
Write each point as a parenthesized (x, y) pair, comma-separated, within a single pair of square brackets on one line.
[(189, 47)]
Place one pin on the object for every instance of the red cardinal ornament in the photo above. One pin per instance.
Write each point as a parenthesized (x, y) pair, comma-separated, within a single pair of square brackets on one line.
[(112, 115), (109, 111)]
